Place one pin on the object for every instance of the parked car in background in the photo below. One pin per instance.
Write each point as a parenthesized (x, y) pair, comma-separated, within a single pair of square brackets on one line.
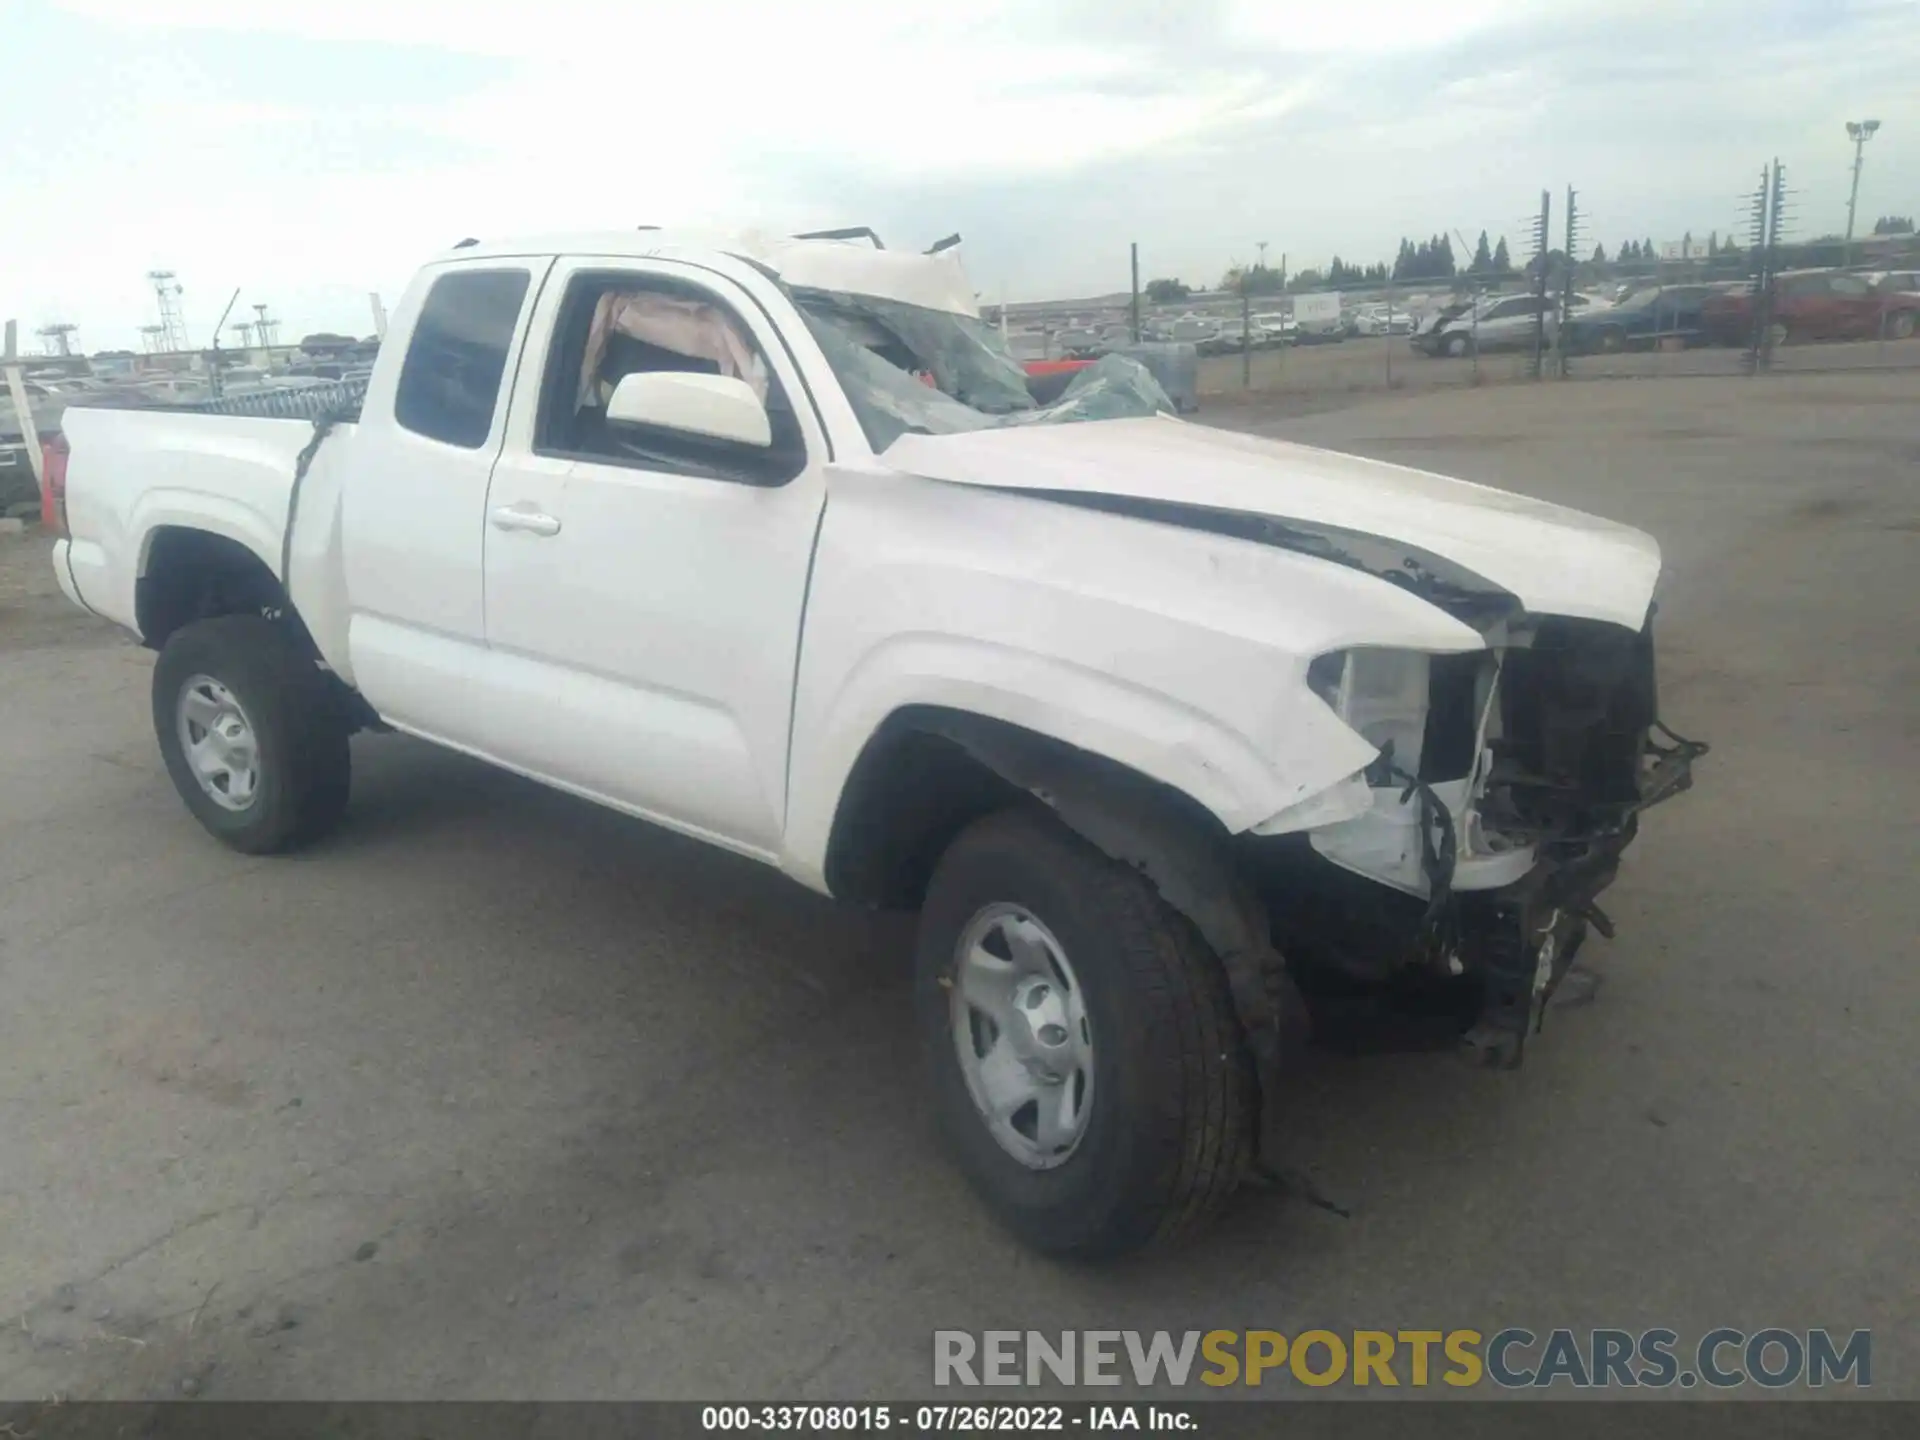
[(1274, 328), (1192, 330), (1383, 319), (1494, 322), (1642, 320), (1082, 343), (1814, 305), (1501, 322)]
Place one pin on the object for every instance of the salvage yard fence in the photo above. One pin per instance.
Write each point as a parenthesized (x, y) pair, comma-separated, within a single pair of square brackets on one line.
[(1252, 351)]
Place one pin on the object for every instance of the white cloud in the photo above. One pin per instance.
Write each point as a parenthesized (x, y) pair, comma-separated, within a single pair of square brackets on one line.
[(1336, 127)]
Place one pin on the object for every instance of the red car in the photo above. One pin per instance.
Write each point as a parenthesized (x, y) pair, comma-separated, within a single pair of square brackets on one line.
[(1815, 305)]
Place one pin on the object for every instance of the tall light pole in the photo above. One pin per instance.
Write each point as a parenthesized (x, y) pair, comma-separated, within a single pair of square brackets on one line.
[(1858, 131)]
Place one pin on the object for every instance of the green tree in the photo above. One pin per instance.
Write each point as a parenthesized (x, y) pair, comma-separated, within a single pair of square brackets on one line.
[(1599, 254), (1166, 291), (1251, 280), (1893, 225), (1502, 260), (1482, 258)]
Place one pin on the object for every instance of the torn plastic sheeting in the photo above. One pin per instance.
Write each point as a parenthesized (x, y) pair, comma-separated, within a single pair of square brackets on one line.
[(1112, 388), (963, 354), (890, 402), (686, 327)]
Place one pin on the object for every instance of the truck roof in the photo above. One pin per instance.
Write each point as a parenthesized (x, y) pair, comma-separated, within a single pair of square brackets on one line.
[(937, 281)]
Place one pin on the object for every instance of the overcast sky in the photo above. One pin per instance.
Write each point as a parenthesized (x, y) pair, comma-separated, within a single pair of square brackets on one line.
[(311, 152)]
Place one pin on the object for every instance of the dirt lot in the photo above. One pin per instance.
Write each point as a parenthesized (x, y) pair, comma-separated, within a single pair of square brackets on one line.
[(500, 1095)]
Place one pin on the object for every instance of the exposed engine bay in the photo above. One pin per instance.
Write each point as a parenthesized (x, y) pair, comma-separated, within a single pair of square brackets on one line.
[(1460, 873)]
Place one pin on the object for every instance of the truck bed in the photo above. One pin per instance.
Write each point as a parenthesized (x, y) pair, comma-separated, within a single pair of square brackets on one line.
[(135, 470)]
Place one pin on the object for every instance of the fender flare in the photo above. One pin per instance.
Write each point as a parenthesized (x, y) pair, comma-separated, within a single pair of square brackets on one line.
[(1186, 857)]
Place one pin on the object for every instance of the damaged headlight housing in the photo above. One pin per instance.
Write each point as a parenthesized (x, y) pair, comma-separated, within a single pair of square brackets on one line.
[(1429, 715), (1382, 695)]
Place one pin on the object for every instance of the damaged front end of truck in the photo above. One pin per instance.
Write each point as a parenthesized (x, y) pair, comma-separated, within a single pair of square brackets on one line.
[(1464, 869)]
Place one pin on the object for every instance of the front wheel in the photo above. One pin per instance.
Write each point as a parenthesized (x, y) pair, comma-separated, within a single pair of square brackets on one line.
[(1900, 325), (250, 733), (1087, 1067), (1459, 346)]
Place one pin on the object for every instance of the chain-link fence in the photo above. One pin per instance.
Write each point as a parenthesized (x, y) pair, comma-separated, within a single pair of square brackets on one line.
[(1677, 311)]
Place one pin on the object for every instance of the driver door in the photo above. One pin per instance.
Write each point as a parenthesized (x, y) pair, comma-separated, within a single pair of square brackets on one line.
[(644, 597)]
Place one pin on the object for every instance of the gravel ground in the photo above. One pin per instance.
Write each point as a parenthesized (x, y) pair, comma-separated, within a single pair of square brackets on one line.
[(500, 1095)]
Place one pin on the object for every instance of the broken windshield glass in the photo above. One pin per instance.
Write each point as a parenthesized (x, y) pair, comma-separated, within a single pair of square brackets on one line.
[(909, 369)]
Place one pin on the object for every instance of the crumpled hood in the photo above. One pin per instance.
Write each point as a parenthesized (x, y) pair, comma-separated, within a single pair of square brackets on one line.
[(1553, 560)]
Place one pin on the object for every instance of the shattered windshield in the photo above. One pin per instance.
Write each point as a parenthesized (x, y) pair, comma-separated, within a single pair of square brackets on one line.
[(908, 369)]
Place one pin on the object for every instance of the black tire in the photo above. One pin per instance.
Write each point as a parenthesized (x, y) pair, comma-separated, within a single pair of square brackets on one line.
[(1169, 1131), (1612, 340), (1459, 346), (304, 767), (1900, 325)]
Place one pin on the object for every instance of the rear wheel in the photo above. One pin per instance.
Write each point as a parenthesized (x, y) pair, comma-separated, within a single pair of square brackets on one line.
[(1777, 333), (251, 734), (1900, 325), (1087, 1068)]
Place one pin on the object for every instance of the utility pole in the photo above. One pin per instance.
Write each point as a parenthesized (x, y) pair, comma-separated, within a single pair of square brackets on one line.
[(173, 323), (1768, 217), (1574, 239), (1542, 241), (22, 409), (1246, 333), (1859, 131), (1135, 307), (57, 338)]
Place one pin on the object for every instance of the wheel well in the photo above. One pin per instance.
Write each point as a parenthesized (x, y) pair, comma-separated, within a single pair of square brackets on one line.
[(928, 772), (911, 791), (195, 575)]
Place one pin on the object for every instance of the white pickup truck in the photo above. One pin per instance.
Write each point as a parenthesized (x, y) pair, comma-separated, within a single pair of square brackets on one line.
[(1174, 737)]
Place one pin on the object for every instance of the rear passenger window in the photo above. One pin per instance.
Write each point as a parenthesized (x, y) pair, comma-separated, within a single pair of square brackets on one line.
[(450, 382)]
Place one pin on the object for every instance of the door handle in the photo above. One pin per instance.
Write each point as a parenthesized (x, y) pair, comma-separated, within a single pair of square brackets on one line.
[(525, 519)]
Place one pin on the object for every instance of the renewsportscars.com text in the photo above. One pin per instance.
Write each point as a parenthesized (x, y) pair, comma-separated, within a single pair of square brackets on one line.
[(1512, 1358)]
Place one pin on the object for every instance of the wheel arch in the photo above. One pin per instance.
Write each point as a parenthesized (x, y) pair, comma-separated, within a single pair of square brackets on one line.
[(195, 572), (882, 852), (189, 573)]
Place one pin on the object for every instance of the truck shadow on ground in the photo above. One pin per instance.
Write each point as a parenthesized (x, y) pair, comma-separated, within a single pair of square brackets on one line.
[(839, 970), (701, 1133)]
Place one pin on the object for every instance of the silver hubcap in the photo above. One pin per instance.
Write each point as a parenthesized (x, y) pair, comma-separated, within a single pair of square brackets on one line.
[(217, 738), (1021, 1031)]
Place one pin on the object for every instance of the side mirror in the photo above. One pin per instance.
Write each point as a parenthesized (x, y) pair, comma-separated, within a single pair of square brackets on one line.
[(717, 407)]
